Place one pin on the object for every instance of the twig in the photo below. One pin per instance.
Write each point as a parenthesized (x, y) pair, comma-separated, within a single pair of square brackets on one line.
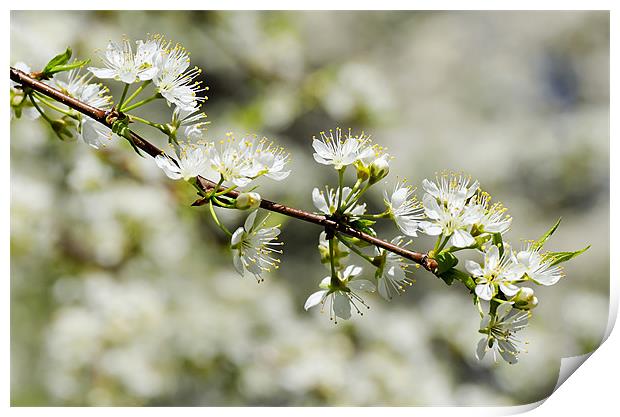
[(107, 118)]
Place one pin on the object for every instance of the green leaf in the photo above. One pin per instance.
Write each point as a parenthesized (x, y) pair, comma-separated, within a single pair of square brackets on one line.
[(363, 225), (445, 261), (60, 59), (451, 274), (65, 67), (540, 242), (559, 257)]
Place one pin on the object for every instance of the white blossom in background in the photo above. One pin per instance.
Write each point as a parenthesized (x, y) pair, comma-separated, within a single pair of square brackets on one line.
[(341, 299), (121, 64), (496, 272), (500, 330), (537, 268), (340, 151), (327, 201), (193, 161), (403, 207), (254, 249), (173, 80), (392, 272)]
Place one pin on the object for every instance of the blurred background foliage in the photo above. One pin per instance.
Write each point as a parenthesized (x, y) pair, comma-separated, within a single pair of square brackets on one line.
[(122, 294)]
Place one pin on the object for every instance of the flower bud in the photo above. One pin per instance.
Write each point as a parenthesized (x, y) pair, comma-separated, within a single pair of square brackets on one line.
[(379, 169), (363, 171), (247, 201), (525, 299)]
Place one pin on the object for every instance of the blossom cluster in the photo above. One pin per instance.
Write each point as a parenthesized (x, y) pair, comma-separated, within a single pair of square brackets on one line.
[(453, 208)]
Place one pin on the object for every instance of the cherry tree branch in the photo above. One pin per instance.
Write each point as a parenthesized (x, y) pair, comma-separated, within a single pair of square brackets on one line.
[(107, 118)]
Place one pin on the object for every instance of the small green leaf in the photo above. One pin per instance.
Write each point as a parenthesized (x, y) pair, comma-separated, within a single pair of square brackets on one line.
[(363, 225), (540, 242), (559, 257), (451, 274), (65, 67), (445, 261), (60, 59)]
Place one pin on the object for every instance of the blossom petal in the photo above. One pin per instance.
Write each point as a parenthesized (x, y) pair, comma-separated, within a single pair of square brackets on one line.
[(474, 268), (249, 222), (342, 306), (169, 167), (481, 349), (484, 291), (314, 299), (461, 239), (362, 285)]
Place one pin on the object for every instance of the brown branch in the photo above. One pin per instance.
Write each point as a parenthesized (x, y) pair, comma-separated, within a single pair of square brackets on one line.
[(107, 118)]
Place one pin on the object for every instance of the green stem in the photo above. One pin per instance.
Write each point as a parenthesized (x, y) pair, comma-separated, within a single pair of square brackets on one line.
[(135, 93), (356, 250), (158, 126), (217, 221), (221, 203), (340, 183), (226, 191), (122, 100), (36, 106), (53, 107), (357, 197), (214, 189), (375, 216), (443, 244), (354, 190), (334, 278), (139, 103)]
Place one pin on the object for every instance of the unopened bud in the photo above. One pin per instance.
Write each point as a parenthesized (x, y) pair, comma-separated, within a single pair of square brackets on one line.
[(62, 128), (363, 171), (247, 201), (525, 299), (379, 169)]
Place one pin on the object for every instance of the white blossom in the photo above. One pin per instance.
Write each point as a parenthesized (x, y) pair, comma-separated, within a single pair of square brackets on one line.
[(253, 247), (454, 219), (451, 189), (80, 87), (232, 164), (193, 161), (500, 330), (191, 124), (19, 99), (265, 158), (342, 298), (340, 151), (122, 65), (327, 202), (494, 219), (404, 209), (392, 271), (497, 271), (445, 204), (537, 267), (173, 80)]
